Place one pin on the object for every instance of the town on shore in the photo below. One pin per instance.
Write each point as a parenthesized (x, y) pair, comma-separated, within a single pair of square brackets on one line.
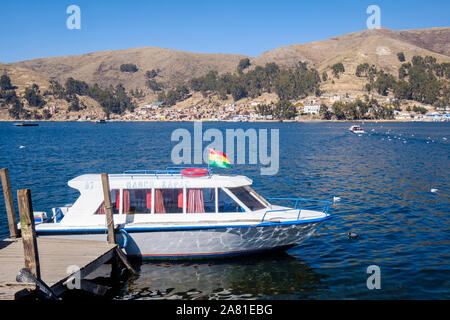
[(308, 109)]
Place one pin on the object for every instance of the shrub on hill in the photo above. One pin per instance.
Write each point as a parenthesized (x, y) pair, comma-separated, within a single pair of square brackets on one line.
[(5, 83), (243, 64), (128, 67), (33, 96), (337, 69)]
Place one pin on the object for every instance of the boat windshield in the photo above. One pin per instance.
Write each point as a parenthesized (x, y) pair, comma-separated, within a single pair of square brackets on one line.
[(248, 197)]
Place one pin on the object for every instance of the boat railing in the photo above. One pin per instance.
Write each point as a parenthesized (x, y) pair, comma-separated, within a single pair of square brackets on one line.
[(300, 204), (168, 171)]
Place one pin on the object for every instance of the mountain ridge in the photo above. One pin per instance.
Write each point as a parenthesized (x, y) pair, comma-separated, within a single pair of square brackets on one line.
[(177, 66), (174, 67)]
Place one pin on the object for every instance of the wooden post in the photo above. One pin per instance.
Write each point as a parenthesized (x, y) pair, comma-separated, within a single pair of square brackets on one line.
[(125, 261), (28, 232), (110, 224), (108, 209), (9, 203)]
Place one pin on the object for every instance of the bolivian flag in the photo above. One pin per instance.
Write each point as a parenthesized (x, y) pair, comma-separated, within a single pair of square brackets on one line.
[(218, 159)]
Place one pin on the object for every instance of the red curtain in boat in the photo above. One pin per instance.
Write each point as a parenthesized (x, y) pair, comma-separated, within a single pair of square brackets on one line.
[(126, 201), (101, 209), (149, 198), (180, 198), (159, 202), (195, 203), (117, 199)]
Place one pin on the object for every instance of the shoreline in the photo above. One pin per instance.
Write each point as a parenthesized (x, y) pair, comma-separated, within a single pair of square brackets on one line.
[(227, 121)]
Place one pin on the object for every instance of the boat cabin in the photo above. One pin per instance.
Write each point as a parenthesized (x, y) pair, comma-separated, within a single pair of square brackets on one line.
[(148, 194)]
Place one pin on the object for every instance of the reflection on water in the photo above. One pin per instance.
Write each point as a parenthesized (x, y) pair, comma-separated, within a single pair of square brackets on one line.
[(253, 277)]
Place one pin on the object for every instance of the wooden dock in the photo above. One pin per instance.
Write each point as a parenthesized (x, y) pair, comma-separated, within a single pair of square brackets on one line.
[(59, 259), (50, 266)]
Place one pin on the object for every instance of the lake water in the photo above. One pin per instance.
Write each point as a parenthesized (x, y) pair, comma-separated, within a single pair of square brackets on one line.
[(384, 179)]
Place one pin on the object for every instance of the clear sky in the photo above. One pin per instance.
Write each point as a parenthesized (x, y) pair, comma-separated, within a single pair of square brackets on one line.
[(33, 29)]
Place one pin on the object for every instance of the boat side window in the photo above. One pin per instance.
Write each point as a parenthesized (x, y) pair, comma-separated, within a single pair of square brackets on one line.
[(115, 200), (137, 201), (227, 204), (201, 200), (168, 200), (247, 198)]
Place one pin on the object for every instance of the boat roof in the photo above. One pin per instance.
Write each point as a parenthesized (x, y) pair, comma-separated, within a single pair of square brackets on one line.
[(148, 181)]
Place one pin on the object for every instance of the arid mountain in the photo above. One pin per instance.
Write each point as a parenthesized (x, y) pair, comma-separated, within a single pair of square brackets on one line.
[(377, 47), (24, 77), (104, 67)]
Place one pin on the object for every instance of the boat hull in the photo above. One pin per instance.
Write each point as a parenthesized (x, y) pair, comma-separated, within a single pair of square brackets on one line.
[(202, 242)]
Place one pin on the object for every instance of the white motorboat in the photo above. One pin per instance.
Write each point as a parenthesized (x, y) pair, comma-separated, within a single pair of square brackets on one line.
[(356, 129), (184, 213)]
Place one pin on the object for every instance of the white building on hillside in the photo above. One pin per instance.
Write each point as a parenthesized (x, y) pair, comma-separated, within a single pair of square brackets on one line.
[(313, 109)]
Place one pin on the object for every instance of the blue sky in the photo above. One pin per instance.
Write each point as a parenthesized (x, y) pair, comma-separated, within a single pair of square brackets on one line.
[(33, 29)]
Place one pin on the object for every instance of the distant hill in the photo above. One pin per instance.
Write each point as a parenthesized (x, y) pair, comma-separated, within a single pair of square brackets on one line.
[(104, 67), (377, 47), (24, 77)]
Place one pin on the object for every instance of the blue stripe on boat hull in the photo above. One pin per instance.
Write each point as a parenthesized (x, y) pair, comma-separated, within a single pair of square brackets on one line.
[(55, 231)]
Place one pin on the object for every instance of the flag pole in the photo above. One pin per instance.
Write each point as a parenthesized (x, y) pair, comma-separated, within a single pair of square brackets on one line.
[(208, 160)]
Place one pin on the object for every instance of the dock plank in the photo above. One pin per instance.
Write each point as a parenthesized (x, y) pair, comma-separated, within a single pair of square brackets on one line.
[(56, 256)]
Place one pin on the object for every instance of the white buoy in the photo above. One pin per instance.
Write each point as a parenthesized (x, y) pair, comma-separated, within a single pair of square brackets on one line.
[(21, 147), (336, 199)]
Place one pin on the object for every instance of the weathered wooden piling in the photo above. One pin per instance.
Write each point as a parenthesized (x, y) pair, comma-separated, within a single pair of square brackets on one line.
[(110, 225), (108, 208), (27, 227), (9, 203)]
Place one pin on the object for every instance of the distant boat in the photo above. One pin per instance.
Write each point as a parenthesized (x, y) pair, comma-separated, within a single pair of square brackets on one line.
[(356, 129), (100, 121), (26, 124)]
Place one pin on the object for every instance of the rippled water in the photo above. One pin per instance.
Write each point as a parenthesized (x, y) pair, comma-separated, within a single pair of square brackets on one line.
[(384, 180)]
